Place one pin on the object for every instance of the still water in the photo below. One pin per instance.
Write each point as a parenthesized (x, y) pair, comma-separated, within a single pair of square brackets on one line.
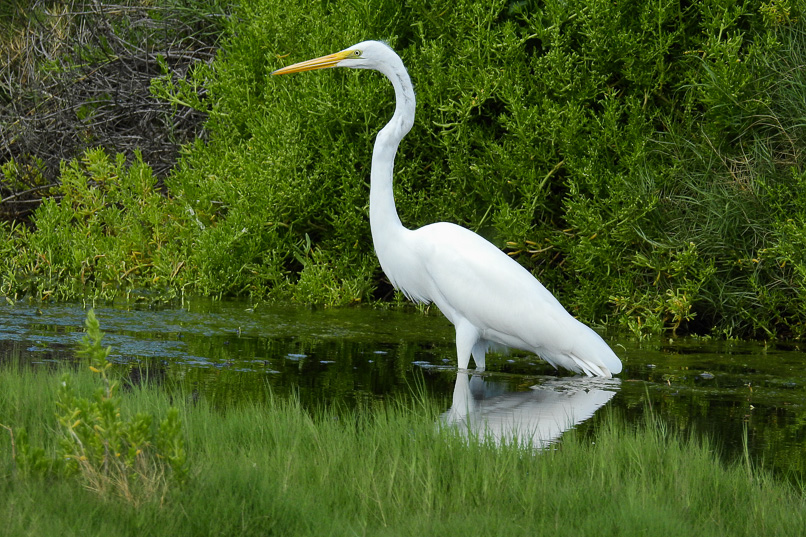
[(230, 351)]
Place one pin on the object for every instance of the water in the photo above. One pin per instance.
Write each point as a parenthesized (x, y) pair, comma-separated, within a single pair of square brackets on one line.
[(231, 351)]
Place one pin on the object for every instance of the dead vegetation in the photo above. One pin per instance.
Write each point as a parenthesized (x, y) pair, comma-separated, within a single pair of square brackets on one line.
[(75, 74)]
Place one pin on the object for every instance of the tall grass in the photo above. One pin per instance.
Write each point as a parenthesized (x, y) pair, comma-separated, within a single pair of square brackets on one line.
[(388, 469)]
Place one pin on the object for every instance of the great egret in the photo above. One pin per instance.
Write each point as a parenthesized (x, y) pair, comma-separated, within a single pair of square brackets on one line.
[(489, 297)]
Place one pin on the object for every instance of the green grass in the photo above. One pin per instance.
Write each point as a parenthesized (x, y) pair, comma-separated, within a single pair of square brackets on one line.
[(275, 468)]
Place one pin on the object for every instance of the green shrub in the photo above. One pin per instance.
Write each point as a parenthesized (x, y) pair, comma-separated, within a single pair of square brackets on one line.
[(643, 160), (110, 232)]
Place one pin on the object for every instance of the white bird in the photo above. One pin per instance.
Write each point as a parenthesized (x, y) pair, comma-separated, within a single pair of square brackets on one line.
[(490, 298)]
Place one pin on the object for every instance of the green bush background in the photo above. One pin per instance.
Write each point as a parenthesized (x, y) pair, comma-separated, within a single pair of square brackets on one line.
[(643, 159)]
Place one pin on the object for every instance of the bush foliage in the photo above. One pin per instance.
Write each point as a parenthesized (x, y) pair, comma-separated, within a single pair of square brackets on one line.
[(644, 160)]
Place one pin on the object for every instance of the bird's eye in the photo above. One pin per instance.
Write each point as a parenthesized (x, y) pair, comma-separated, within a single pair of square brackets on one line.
[(356, 54)]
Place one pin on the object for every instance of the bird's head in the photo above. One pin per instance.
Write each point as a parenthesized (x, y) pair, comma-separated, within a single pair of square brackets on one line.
[(364, 55)]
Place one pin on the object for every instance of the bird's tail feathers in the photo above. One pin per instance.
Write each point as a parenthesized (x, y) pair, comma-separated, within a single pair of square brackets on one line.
[(589, 368)]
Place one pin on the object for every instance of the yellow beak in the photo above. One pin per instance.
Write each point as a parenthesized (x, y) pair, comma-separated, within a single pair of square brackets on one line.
[(317, 63)]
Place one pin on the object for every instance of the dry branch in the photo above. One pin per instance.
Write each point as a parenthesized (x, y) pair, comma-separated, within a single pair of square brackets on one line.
[(76, 74)]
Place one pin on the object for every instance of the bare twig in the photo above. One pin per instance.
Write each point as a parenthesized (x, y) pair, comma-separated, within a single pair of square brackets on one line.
[(76, 74)]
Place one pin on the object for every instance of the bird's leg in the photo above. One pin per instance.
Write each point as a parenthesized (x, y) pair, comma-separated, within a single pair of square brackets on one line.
[(479, 351), (466, 338)]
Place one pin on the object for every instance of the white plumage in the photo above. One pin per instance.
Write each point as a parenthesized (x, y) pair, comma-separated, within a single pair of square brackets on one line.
[(488, 296)]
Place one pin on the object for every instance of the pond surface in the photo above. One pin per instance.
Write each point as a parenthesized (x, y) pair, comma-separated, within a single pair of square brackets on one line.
[(229, 351)]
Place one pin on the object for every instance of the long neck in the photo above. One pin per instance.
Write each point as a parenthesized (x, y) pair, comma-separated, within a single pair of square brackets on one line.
[(383, 218)]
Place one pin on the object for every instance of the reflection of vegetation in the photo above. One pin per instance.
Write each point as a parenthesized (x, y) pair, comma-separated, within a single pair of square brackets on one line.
[(644, 160), (721, 388)]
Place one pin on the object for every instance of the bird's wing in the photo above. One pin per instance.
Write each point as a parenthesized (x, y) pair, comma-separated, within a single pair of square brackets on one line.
[(470, 279), (475, 280)]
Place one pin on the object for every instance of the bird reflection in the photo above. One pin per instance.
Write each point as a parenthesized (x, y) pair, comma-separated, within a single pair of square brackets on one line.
[(483, 407)]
